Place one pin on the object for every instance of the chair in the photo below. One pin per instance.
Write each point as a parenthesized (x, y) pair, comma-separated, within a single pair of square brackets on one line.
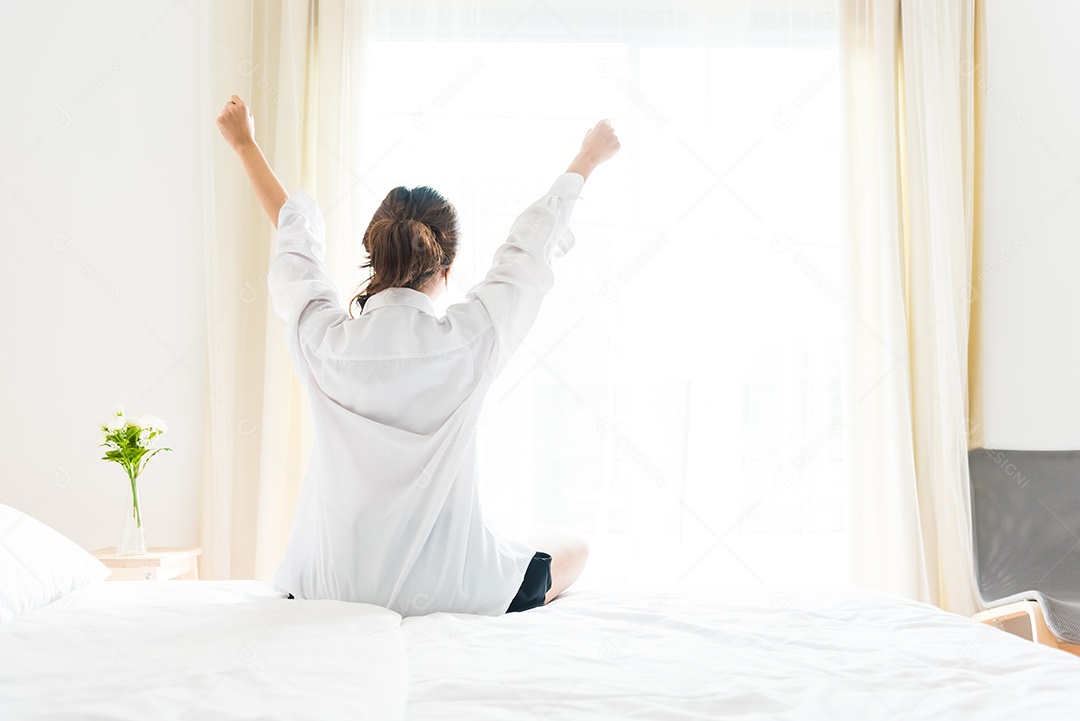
[(1025, 509)]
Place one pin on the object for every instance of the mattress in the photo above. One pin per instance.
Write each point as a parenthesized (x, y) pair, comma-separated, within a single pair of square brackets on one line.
[(228, 650), (754, 653), (200, 650)]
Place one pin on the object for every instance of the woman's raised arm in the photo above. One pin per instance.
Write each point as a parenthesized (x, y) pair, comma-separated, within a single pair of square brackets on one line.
[(237, 126), (521, 273)]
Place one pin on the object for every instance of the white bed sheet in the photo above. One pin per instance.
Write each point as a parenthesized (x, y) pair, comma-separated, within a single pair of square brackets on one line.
[(761, 653), (201, 650)]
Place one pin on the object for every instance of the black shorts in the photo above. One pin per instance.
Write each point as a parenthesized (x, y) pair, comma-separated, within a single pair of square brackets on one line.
[(535, 585)]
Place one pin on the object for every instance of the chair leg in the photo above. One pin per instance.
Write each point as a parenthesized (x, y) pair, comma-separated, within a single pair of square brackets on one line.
[(1070, 647), (1040, 632)]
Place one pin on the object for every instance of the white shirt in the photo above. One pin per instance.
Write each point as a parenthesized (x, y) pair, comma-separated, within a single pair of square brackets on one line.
[(389, 512)]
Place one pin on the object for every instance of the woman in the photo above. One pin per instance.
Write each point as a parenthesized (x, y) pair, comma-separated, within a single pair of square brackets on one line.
[(389, 512)]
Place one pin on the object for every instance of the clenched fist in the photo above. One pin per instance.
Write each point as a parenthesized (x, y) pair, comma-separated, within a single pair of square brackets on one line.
[(600, 143), (236, 123)]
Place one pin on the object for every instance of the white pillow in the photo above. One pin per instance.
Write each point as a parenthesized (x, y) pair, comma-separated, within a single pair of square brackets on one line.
[(39, 565)]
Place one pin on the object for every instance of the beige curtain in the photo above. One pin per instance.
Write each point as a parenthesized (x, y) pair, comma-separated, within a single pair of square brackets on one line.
[(299, 65), (909, 165)]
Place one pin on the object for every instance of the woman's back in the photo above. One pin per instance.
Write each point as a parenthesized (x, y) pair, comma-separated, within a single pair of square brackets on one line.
[(389, 512), (401, 365)]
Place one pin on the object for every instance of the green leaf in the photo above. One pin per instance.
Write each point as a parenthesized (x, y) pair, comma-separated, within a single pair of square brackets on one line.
[(159, 450)]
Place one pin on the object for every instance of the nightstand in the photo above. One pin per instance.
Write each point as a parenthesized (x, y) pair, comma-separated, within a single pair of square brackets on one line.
[(157, 564)]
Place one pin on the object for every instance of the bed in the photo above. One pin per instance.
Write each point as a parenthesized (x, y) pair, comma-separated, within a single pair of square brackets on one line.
[(195, 650), (751, 653), (240, 650)]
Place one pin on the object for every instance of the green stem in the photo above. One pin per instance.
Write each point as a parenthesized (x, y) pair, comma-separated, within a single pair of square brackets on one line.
[(135, 497)]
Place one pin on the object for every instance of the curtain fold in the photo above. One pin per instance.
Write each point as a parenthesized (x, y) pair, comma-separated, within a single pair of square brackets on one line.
[(300, 67), (909, 154)]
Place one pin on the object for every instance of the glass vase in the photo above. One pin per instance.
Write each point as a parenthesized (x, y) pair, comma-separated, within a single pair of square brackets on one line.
[(132, 539)]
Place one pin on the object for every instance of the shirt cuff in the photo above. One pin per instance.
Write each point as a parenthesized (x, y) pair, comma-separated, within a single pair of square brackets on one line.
[(310, 231), (567, 185), (299, 201)]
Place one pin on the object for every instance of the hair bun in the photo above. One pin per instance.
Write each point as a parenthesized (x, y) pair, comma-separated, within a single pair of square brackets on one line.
[(412, 236), (423, 238)]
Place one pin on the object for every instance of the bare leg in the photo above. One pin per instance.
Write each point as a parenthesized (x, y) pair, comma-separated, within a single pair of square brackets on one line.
[(568, 552)]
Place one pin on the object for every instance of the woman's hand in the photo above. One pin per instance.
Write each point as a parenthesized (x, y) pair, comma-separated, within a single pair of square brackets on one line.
[(599, 145), (236, 124)]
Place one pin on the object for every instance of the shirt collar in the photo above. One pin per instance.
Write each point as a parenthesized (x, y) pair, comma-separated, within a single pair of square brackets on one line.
[(399, 296)]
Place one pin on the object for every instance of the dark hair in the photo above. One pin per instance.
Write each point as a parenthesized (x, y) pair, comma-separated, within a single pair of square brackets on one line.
[(412, 236)]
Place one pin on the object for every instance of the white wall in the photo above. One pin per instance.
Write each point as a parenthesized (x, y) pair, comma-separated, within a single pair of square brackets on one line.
[(101, 280), (1031, 213)]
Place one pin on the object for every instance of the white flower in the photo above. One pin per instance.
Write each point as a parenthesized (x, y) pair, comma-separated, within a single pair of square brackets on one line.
[(156, 423), (115, 423)]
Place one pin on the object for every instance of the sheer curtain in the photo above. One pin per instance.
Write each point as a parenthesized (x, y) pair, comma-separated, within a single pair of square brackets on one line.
[(300, 66), (678, 399), (909, 94)]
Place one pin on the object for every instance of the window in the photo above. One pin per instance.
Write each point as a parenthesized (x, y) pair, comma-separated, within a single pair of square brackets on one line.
[(678, 400)]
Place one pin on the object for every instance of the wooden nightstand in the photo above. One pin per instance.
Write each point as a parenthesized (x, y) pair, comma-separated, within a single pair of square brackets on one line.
[(157, 564)]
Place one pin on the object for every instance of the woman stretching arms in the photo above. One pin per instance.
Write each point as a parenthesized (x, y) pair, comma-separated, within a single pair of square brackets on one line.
[(389, 512)]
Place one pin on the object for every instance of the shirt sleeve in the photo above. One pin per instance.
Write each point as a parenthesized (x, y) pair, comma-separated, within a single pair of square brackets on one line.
[(521, 272), (301, 289)]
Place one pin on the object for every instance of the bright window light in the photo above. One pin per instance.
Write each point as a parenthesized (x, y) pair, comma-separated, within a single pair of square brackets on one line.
[(678, 400)]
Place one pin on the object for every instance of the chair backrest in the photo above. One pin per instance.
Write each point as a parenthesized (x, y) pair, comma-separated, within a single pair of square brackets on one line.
[(1025, 508)]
